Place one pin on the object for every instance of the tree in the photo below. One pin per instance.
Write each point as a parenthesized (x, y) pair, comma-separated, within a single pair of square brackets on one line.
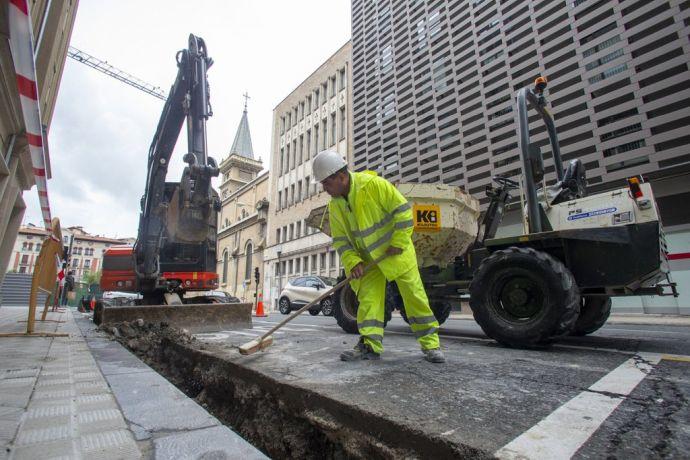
[(92, 277)]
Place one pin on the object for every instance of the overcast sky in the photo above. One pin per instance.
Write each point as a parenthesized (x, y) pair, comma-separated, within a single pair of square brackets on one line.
[(102, 128)]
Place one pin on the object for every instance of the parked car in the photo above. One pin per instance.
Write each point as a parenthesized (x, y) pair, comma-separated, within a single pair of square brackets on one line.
[(301, 290), (212, 296), (116, 298)]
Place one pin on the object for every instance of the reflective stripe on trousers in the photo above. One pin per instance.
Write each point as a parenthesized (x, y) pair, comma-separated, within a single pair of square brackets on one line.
[(372, 298)]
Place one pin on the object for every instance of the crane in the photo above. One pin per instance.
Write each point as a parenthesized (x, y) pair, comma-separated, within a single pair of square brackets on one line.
[(102, 66)]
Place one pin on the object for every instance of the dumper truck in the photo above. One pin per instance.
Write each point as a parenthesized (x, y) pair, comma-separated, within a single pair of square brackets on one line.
[(558, 275)]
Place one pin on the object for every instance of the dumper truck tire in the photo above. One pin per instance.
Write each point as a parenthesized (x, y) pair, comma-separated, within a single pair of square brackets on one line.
[(345, 309), (594, 312), (441, 310), (522, 297)]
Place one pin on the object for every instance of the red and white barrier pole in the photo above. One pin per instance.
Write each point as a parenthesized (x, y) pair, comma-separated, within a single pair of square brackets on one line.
[(21, 45)]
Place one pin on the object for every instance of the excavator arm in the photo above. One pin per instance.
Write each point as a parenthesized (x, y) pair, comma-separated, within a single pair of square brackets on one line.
[(184, 213), (175, 250)]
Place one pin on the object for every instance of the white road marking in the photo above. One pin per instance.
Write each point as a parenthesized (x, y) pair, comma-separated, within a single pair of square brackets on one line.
[(564, 431), (212, 336), (248, 334), (272, 323), (310, 352), (286, 328)]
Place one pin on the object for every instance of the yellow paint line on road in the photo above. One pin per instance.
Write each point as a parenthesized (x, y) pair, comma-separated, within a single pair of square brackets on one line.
[(679, 358)]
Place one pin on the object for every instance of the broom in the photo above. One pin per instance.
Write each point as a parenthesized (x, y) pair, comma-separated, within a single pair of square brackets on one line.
[(266, 340)]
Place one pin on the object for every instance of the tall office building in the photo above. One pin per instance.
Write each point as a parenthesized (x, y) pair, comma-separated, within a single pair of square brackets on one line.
[(434, 84)]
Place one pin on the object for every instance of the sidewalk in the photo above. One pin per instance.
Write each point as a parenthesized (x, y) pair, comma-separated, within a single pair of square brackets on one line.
[(85, 396)]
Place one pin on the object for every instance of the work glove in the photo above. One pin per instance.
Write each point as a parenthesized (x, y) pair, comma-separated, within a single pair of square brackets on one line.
[(393, 251)]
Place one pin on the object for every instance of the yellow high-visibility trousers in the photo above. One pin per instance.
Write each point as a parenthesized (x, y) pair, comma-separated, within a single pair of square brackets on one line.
[(371, 294)]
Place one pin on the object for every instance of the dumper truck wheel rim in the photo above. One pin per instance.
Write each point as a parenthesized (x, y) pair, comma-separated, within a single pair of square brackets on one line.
[(521, 297)]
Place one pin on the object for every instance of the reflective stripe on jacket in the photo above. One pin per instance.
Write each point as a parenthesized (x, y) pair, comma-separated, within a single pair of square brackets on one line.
[(374, 216)]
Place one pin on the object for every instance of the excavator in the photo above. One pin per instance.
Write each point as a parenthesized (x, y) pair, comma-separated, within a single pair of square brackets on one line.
[(175, 251)]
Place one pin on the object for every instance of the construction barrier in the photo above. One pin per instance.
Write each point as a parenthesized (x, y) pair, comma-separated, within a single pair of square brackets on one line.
[(22, 48)]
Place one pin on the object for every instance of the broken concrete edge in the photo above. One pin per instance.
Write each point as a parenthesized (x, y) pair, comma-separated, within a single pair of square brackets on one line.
[(237, 395), (195, 318)]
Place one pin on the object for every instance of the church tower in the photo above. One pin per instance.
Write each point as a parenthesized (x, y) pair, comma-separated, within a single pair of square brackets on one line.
[(240, 167)]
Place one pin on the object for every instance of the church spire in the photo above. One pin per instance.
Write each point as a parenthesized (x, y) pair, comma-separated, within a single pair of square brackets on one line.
[(242, 145)]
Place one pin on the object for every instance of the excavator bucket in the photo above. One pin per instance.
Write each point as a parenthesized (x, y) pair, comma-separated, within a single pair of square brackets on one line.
[(196, 318)]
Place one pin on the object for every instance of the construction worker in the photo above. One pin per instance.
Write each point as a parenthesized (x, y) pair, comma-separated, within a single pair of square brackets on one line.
[(369, 217)]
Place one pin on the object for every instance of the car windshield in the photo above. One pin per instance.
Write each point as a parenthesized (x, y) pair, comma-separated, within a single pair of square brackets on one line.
[(328, 281)]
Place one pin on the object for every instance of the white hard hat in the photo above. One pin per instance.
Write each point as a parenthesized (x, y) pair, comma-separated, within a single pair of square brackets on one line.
[(326, 163)]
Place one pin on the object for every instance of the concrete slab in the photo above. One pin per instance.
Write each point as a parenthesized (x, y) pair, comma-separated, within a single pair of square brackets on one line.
[(152, 403), (206, 443), (114, 359)]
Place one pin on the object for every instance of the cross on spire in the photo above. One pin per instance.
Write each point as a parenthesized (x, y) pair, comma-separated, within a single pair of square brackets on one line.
[(243, 142)]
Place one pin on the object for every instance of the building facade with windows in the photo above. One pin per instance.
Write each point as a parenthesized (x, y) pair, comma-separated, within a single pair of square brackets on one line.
[(52, 24), (314, 117), (86, 253), (243, 217), (434, 83)]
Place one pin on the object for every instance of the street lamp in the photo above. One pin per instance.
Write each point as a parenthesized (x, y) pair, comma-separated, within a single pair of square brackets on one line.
[(280, 274)]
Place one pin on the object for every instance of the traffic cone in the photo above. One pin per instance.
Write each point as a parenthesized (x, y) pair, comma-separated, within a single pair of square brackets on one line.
[(260, 307), (92, 305)]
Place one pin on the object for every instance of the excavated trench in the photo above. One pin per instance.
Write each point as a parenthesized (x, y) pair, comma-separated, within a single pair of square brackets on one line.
[(282, 420)]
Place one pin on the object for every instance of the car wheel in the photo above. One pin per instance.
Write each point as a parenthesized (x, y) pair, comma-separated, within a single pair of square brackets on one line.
[(284, 305), (327, 306), (314, 311)]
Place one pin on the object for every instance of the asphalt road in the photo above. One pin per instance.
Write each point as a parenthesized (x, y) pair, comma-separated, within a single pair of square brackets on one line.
[(613, 337), (620, 393)]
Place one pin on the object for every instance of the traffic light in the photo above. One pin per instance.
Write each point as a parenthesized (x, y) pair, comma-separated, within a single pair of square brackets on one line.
[(256, 275)]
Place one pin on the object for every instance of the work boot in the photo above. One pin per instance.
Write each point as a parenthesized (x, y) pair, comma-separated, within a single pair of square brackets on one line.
[(361, 351), (434, 356)]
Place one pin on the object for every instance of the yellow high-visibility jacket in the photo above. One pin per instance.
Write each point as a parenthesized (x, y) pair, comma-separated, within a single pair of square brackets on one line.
[(374, 216)]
